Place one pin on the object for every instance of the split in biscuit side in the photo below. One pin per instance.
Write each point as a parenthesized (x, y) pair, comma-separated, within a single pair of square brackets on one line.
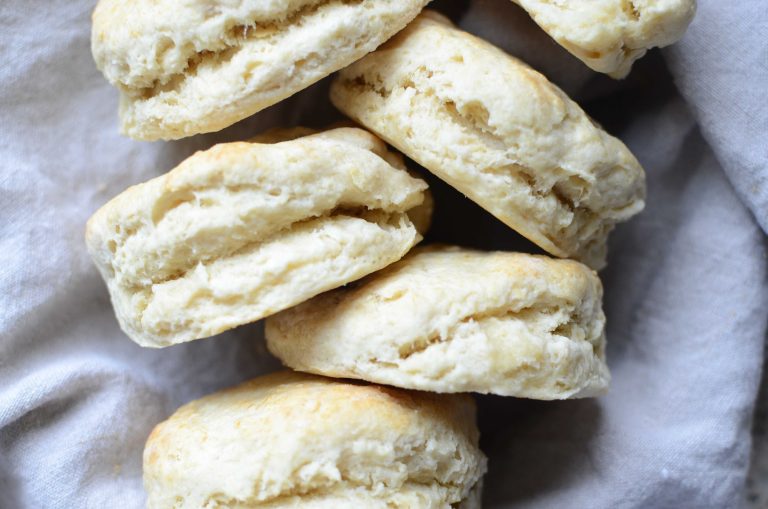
[(499, 132), (244, 230), (456, 320)]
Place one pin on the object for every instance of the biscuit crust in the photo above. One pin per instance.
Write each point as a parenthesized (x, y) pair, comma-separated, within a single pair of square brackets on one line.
[(499, 132), (609, 35), (244, 230), (295, 440), (447, 319), (188, 67)]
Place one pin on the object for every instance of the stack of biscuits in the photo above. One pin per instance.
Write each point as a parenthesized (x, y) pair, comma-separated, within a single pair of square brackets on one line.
[(314, 231)]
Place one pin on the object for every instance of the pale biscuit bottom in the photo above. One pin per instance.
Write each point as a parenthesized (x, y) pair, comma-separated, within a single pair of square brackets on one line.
[(295, 440), (455, 320)]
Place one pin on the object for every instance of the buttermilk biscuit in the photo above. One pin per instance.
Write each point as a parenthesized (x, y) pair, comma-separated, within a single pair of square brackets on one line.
[(188, 67), (244, 230), (609, 35), (420, 216), (456, 320), (499, 132), (294, 440)]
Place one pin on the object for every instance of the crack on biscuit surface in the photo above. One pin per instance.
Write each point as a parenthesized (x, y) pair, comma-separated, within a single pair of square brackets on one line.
[(526, 313), (238, 241), (228, 46), (630, 9), (373, 216), (387, 224)]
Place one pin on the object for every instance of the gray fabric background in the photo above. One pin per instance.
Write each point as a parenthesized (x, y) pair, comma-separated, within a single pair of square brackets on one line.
[(686, 290)]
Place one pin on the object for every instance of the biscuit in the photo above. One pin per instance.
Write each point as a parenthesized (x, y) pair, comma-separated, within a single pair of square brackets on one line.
[(609, 35), (499, 132), (184, 68), (295, 440), (420, 216), (456, 320), (244, 230)]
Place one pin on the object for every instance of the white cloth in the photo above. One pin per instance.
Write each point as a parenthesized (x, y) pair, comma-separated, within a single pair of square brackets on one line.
[(686, 289)]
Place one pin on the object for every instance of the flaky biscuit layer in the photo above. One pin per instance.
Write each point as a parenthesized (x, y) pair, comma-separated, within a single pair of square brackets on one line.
[(188, 67), (609, 35), (499, 132), (456, 320), (244, 230)]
